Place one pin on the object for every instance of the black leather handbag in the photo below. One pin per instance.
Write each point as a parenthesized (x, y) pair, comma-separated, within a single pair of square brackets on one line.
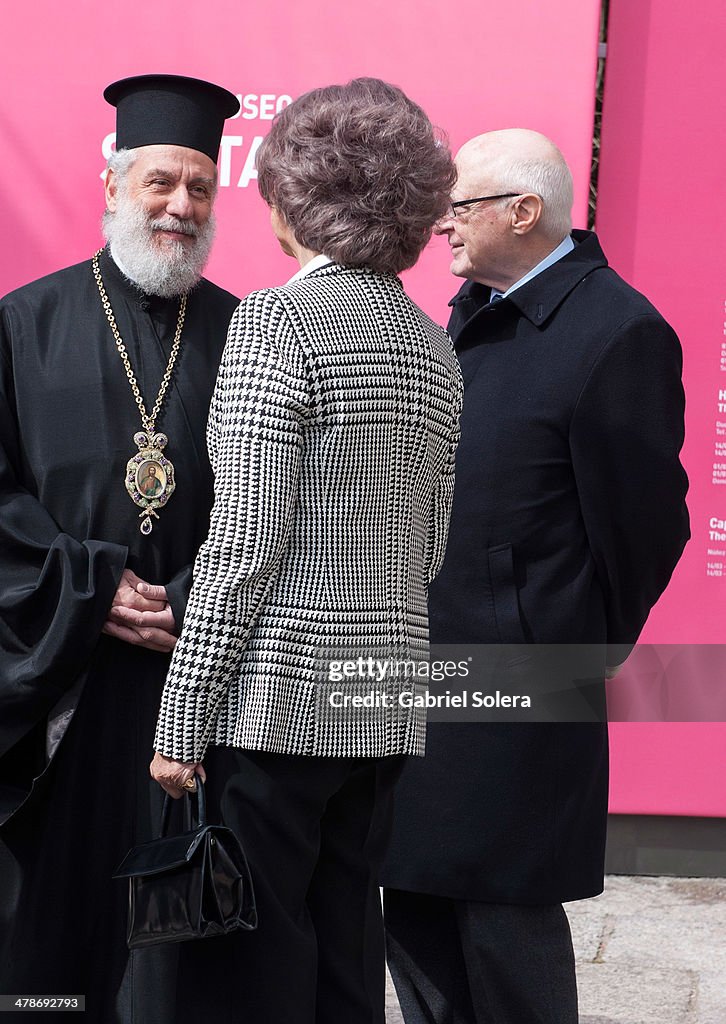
[(188, 886)]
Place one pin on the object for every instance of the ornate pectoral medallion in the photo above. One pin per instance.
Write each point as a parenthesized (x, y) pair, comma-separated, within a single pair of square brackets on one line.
[(149, 477)]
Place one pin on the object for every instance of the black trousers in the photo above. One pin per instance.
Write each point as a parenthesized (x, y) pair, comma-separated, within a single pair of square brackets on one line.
[(314, 831), (461, 962)]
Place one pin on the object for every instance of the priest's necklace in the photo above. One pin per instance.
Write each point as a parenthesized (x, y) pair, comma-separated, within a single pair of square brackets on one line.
[(149, 474)]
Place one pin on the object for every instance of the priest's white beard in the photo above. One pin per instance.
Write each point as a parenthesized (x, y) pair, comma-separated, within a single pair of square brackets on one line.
[(166, 270)]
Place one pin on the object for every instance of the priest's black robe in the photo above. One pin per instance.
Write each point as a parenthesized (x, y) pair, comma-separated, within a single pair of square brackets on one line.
[(78, 708)]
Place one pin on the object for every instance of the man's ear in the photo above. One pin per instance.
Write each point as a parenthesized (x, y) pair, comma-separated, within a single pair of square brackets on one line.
[(526, 213), (111, 189)]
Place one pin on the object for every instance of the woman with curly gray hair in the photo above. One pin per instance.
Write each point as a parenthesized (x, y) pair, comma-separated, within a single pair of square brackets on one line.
[(356, 172), (332, 435)]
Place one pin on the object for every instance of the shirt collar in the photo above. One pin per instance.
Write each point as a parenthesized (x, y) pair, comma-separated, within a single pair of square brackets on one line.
[(565, 246), (542, 295), (314, 264)]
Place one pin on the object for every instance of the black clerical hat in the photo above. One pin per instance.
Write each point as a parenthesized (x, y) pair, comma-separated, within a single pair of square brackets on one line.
[(170, 110)]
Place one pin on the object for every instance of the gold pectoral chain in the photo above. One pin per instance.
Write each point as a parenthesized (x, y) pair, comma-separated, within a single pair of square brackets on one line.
[(149, 474)]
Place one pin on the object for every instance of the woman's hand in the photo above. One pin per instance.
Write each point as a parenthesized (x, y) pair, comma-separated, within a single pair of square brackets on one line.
[(171, 775)]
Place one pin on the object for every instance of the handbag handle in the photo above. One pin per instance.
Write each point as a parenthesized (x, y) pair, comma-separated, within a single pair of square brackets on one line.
[(201, 808)]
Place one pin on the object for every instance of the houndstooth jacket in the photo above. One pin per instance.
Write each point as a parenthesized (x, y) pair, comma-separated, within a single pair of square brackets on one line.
[(332, 434)]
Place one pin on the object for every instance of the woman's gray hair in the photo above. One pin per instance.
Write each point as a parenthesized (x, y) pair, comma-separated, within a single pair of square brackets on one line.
[(358, 173)]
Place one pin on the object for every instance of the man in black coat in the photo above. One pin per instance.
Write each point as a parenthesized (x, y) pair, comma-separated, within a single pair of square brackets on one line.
[(568, 520)]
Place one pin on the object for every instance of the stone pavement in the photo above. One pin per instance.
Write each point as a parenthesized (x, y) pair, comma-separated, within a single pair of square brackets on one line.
[(649, 951)]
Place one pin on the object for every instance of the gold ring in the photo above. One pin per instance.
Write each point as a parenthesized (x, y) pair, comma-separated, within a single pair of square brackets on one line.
[(190, 784)]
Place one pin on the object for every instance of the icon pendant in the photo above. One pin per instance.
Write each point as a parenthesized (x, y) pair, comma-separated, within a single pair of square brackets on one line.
[(149, 477)]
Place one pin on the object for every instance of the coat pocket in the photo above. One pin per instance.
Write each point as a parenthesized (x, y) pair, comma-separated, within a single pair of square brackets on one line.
[(504, 595)]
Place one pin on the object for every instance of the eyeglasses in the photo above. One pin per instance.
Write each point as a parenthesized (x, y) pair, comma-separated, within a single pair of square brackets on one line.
[(457, 204)]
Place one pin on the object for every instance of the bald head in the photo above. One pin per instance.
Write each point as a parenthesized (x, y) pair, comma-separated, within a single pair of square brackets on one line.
[(520, 160), (514, 144)]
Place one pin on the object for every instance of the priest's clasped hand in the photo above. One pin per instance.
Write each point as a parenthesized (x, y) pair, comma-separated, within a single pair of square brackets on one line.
[(172, 775), (140, 614)]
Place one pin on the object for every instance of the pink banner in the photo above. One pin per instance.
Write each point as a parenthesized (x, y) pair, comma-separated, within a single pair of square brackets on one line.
[(472, 67), (662, 223)]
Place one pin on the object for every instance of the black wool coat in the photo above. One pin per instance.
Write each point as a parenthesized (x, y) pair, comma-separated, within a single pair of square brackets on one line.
[(569, 517)]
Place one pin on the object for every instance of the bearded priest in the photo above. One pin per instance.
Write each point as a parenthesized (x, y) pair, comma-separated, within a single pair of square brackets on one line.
[(106, 374)]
